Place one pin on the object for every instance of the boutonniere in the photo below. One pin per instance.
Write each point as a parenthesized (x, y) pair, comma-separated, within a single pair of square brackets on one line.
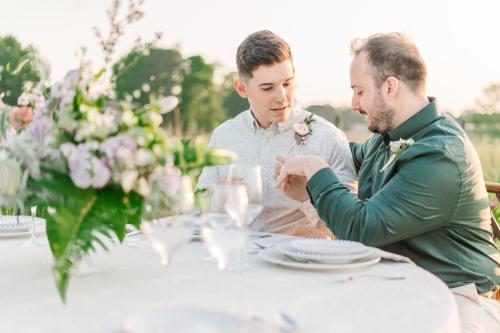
[(397, 148), (303, 129)]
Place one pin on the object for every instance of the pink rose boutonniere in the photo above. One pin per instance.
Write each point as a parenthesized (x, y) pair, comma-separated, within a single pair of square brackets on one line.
[(303, 130)]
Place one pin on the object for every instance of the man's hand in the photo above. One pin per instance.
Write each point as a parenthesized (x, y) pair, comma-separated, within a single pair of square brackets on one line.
[(293, 172)]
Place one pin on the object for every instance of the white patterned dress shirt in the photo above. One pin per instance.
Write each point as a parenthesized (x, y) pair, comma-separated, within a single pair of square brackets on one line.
[(261, 146)]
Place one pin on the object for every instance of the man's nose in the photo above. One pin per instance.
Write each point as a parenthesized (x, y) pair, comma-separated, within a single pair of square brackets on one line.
[(355, 103), (281, 94)]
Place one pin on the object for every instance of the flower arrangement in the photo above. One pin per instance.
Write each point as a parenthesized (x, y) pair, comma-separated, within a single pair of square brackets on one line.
[(397, 148), (302, 130), (89, 159)]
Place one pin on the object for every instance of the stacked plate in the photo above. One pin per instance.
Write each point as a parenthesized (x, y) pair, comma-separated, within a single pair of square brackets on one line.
[(321, 254), (18, 226)]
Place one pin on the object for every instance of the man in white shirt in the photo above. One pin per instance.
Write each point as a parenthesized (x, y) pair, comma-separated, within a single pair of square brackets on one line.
[(274, 126)]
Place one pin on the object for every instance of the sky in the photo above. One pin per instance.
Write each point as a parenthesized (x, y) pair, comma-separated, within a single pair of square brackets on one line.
[(459, 40)]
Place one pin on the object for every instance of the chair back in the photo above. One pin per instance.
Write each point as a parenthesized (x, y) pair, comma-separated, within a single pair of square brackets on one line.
[(494, 188)]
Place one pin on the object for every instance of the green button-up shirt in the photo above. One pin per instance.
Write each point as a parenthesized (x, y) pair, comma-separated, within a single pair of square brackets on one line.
[(430, 204)]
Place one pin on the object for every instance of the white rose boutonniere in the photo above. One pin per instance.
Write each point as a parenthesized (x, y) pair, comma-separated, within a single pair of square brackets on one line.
[(303, 130), (397, 148)]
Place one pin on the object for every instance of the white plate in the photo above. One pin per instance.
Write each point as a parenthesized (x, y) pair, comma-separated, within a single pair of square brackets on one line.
[(189, 320), (10, 226), (274, 256), (289, 250), (323, 246), (24, 234)]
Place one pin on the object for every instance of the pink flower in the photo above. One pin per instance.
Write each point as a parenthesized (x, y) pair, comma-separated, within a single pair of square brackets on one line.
[(301, 129), (20, 117), (171, 180)]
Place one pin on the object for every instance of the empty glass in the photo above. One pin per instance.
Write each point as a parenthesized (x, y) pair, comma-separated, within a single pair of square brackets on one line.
[(33, 241), (224, 231), (251, 177)]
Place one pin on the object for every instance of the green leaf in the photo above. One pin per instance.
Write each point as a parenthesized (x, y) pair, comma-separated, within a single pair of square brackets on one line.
[(80, 218)]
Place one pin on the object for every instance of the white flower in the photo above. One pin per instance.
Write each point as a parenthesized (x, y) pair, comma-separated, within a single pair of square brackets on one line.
[(125, 156), (176, 90), (128, 180), (397, 148), (10, 175), (143, 157), (156, 119), (129, 119), (24, 99), (67, 149), (167, 104), (143, 187)]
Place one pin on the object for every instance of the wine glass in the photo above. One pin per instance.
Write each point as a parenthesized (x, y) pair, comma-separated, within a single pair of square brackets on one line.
[(251, 177), (224, 229), (165, 228), (34, 241)]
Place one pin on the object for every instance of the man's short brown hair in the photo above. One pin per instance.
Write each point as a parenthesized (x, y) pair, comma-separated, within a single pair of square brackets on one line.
[(393, 54), (261, 48)]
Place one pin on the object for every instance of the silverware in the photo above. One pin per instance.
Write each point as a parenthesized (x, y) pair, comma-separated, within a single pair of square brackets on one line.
[(259, 236), (367, 276), (260, 246), (288, 323)]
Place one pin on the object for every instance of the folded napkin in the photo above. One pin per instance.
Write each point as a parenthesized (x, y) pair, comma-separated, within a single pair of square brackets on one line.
[(391, 256)]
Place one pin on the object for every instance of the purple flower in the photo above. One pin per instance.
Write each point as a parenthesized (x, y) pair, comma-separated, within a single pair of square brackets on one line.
[(86, 169), (40, 129)]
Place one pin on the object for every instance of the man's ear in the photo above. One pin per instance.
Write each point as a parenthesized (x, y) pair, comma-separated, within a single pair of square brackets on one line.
[(391, 87), (241, 87)]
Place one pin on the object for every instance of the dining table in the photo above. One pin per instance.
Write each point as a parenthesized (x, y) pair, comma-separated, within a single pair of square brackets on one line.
[(128, 279)]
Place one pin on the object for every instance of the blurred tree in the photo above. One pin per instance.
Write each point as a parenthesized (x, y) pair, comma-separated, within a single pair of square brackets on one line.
[(344, 118), (150, 72), (232, 102), (201, 108), (18, 65), (489, 102)]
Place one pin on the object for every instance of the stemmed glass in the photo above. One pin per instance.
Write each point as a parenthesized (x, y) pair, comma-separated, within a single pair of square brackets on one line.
[(251, 177), (224, 230), (163, 225), (33, 241)]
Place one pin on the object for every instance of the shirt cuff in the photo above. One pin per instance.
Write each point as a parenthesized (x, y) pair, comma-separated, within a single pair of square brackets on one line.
[(309, 211), (321, 180)]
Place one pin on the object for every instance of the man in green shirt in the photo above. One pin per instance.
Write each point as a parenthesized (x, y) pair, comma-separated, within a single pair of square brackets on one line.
[(421, 188)]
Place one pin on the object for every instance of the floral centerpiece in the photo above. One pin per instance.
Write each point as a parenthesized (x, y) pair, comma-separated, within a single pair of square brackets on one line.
[(89, 159)]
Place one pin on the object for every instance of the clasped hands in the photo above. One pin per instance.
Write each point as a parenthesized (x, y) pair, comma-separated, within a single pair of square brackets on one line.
[(292, 173)]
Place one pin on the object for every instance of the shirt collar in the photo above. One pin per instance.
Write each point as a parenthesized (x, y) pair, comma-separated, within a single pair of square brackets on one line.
[(276, 127), (415, 123)]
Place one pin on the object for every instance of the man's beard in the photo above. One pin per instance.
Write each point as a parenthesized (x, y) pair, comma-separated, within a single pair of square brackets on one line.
[(382, 117)]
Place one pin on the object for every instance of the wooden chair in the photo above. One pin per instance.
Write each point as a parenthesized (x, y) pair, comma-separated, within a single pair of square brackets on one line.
[(494, 188)]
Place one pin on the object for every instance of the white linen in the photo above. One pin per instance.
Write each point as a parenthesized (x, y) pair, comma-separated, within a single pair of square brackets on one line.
[(130, 280), (260, 146), (478, 314)]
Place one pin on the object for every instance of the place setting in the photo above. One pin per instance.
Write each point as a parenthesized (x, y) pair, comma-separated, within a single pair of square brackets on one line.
[(318, 254), (21, 226)]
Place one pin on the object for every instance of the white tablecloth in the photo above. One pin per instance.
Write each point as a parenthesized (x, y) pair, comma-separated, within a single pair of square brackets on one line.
[(131, 280)]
